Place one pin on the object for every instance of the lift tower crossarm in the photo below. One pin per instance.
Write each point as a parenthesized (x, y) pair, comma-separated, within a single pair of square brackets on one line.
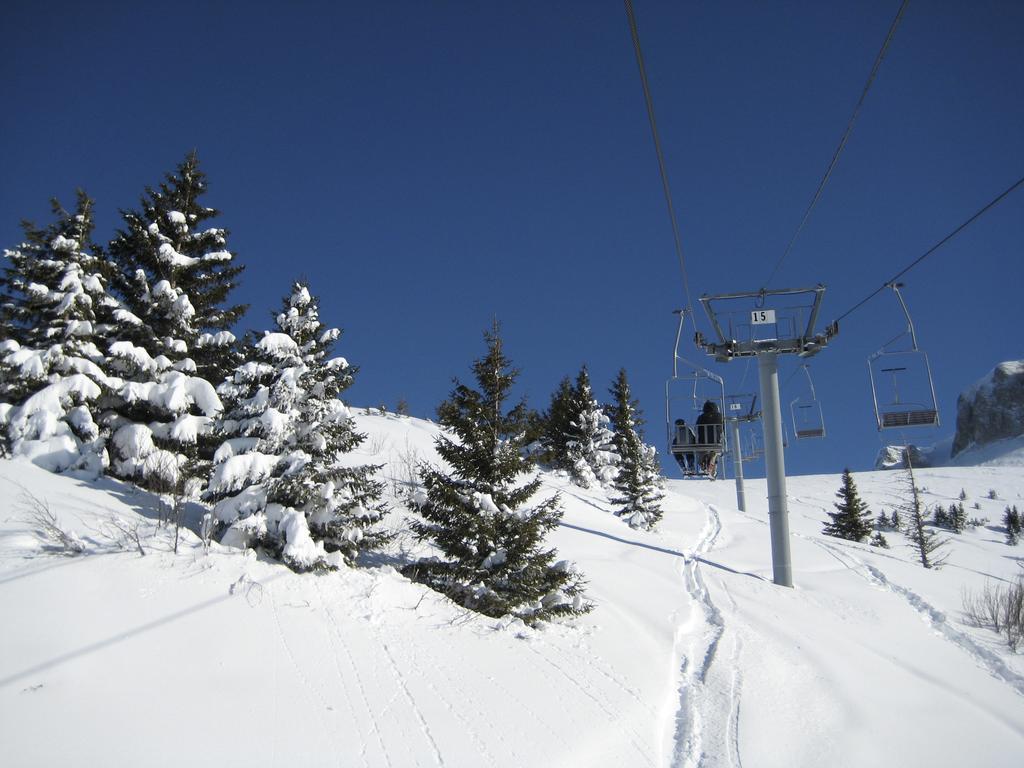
[(727, 347)]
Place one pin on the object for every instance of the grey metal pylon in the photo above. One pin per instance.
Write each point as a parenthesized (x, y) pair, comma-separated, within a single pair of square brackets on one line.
[(766, 324)]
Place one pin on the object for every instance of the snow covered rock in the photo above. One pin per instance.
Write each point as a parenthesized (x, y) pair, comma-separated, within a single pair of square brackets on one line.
[(895, 457), (992, 409)]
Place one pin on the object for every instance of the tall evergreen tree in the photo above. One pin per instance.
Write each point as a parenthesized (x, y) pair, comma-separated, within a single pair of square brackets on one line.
[(624, 412), (279, 479), (58, 315), (852, 518), (176, 275), (591, 456), (477, 516), (923, 539), (557, 426), (638, 482)]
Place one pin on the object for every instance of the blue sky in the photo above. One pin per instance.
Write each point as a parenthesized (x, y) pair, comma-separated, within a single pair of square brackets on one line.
[(428, 165)]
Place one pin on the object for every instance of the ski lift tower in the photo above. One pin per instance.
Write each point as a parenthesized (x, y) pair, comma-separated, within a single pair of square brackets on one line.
[(740, 408), (765, 324)]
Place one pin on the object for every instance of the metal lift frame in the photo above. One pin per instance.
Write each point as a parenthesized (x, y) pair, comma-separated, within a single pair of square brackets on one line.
[(926, 416), (814, 404)]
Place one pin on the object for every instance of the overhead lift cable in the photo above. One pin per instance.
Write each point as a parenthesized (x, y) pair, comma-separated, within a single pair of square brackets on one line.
[(842, 142), (991, 204), (634, 32)]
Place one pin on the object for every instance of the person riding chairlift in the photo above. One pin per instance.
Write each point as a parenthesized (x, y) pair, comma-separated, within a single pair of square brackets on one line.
[(683, 437), (710, 426)]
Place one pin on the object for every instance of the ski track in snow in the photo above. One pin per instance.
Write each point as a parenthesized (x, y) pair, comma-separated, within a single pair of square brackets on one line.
[(595, 663), (413, 706), (434, 663), (506, 693), (983, 657), (699, 739), (310, 689), (638, 743), (337, 641), (471, 704)]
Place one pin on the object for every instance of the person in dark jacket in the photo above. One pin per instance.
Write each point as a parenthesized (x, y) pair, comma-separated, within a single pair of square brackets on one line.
[(710, 426)]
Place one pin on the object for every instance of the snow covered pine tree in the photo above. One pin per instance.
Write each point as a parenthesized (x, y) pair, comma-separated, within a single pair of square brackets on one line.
[(490, 541), (590, 449), (279, 480), (57, 314), (638, 482), (174, 278)]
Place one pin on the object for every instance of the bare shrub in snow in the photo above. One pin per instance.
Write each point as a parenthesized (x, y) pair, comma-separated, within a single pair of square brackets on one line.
[(37, 512), (404, 474), (376, 444), (999, 608), (166, 479), (125, 534), (206, 531)]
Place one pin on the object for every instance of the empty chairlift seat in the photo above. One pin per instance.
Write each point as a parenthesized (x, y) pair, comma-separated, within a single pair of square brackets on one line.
[(808, 419), (916, 417), (901, 381)]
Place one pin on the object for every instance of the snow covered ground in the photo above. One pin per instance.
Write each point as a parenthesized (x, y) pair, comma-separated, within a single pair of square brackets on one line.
[(691, 657)]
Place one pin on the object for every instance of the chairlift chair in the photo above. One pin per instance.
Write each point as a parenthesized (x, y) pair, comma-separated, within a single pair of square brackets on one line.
[(908, 397), (805, 410), (695, 448), (755, 446)]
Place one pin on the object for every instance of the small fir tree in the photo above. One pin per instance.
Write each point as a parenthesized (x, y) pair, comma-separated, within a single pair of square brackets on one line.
[(590, 450), (940, 516), (878, 540), (852, 520), (957, 517), (1012, 524), (896, 521), (492, 559), (279, 479), (638, 482)]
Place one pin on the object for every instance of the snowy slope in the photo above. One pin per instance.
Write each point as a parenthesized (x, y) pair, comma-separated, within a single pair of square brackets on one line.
[(692, 656)]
